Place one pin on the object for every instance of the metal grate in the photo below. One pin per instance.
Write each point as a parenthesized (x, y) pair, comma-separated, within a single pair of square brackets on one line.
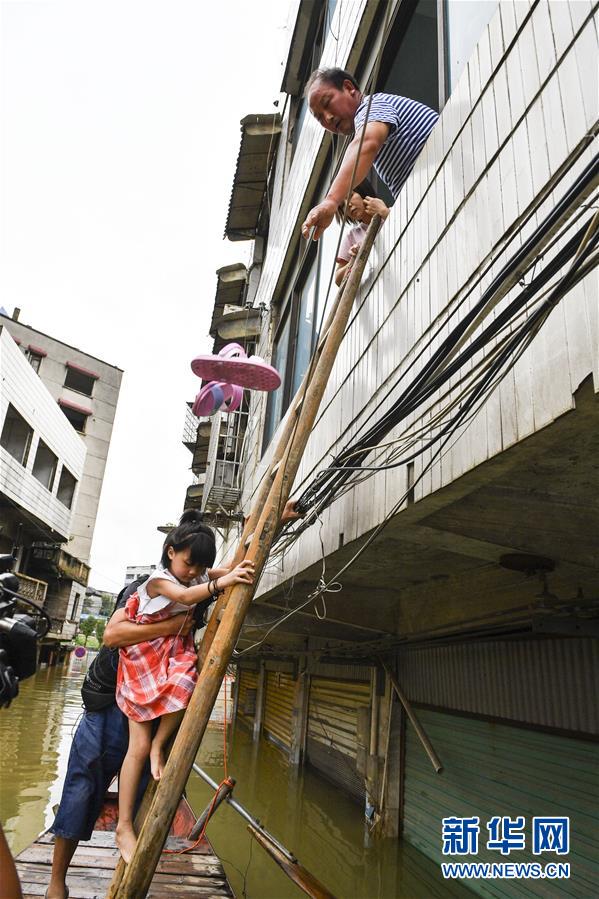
[(222, 489)]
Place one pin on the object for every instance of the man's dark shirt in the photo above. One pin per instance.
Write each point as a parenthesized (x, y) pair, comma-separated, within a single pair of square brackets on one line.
[(99, 686)]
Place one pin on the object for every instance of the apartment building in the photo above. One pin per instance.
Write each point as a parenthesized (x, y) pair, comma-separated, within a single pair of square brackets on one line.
[(459, 547), (84, 390), (42, 460)]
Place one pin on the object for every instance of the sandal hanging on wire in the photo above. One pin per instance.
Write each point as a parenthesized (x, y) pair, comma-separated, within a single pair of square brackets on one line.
[(233, 367)]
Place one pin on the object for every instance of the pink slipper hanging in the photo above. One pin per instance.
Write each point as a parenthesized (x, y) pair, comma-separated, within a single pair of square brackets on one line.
[(233, 367), (215, 397)]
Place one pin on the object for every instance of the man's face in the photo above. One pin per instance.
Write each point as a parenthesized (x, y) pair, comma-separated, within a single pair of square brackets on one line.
[(335, 109)]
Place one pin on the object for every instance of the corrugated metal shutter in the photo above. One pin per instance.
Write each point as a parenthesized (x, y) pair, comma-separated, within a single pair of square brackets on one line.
[(495, 769), (332, 742), (544, 682), (278, 708), (248, 687)]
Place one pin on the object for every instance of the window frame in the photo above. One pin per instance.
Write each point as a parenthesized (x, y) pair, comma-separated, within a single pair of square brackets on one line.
[(24, 455), (58, 489), (43, 446), (76, 371)]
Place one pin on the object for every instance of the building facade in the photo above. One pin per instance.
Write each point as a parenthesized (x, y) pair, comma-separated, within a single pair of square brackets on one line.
[(450, 478), (135, 571), (42, 460), (86, 390)]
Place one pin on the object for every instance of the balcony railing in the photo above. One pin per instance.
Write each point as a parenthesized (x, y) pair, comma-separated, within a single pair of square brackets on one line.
[(32, 588), (190, 428), (222, 489)]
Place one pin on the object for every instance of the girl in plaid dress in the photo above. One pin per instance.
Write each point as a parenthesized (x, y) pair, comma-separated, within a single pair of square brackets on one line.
[(156, 678)]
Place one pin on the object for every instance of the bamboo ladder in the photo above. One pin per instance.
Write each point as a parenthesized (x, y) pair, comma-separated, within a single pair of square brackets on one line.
[(133, 881)]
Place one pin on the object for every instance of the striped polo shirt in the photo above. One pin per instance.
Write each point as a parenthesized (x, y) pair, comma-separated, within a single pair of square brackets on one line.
[(410, 123)]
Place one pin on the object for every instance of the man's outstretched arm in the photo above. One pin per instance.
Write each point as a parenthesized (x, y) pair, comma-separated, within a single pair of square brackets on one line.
[(322, 215), (121, 632)]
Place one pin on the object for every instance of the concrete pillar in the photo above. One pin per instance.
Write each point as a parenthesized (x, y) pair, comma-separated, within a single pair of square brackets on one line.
[(260, 697), (300, 714), (391, 825)]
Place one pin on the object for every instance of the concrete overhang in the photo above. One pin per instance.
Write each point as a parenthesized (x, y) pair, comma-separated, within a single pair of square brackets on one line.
[(259, 141)]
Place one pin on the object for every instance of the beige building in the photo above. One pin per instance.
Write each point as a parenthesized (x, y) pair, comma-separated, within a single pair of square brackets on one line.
[(86, 389)]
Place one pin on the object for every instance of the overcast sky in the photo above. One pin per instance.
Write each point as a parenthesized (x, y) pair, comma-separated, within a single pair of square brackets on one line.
[(119, 136)]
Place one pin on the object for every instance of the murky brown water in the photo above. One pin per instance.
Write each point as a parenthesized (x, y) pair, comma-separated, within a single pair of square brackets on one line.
[(313, 819)]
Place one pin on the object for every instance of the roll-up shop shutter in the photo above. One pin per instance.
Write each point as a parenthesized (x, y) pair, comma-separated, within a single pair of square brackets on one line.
[(496, 769), (332, 742), (278, 708), (248, 687)]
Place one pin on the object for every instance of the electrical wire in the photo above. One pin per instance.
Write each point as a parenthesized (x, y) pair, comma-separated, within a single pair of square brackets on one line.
[(581, 248)]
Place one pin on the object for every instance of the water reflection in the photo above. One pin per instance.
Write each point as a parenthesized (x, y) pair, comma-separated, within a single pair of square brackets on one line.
[(314, 820), (309, 816), (35, 737)]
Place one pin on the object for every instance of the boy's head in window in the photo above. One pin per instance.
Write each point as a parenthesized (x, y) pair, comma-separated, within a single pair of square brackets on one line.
[(333, 96)]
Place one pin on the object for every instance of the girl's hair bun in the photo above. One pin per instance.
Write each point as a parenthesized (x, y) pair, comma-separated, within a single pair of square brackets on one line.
[(191, 516)]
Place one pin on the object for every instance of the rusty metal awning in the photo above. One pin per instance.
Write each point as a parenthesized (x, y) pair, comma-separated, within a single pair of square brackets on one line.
[(259, 140)]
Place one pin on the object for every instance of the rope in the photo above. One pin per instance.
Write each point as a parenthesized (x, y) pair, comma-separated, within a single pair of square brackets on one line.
[(226, 781)]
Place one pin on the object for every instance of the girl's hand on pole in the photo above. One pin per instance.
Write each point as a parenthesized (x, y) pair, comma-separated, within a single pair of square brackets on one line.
[(374, 206), (241, 574)]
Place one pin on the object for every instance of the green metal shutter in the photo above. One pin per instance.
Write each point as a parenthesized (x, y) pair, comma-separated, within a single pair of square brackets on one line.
[(494, 769), (332, 742), (246, 706), (278, 708)]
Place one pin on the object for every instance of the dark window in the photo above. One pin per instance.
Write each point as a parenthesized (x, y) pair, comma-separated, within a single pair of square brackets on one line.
[(409, 64), (16, 435), (300, 318), (44, 465), (299, 105), (66, 487), (79, 381), (276, 400), (35, 360), (77, 418)]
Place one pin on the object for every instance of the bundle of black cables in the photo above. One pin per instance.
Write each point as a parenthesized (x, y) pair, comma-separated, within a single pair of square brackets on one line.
[(442, 367)]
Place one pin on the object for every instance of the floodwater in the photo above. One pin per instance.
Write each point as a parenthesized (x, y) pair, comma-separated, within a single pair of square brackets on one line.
[(319, 825)]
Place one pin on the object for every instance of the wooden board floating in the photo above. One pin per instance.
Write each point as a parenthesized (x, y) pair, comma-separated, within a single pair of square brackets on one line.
[(198, 872)]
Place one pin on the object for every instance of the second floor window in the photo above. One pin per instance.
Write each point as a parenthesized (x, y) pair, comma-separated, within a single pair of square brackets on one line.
[(44, 465), (66, 487), (16, 435)]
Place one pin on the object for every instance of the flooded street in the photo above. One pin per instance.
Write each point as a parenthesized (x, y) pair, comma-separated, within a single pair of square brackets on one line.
[(310, 817)]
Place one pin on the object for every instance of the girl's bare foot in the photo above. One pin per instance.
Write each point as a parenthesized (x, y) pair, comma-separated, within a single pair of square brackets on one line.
[(156, 760), (126, 841)]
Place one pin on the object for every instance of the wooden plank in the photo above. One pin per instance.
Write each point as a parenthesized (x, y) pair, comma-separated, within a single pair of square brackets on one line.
[(31, 873)]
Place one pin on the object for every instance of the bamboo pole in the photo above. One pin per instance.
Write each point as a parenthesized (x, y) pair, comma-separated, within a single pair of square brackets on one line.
[(428, 747), (152, 837), (296, 872), (224, 790), (265, 484)]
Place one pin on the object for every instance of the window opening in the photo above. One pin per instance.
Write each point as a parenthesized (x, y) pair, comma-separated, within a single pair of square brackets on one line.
[(410, 65), (77, 417), (80, 381), (66, 487), (16, 435), (35, 360), (45, 465)]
